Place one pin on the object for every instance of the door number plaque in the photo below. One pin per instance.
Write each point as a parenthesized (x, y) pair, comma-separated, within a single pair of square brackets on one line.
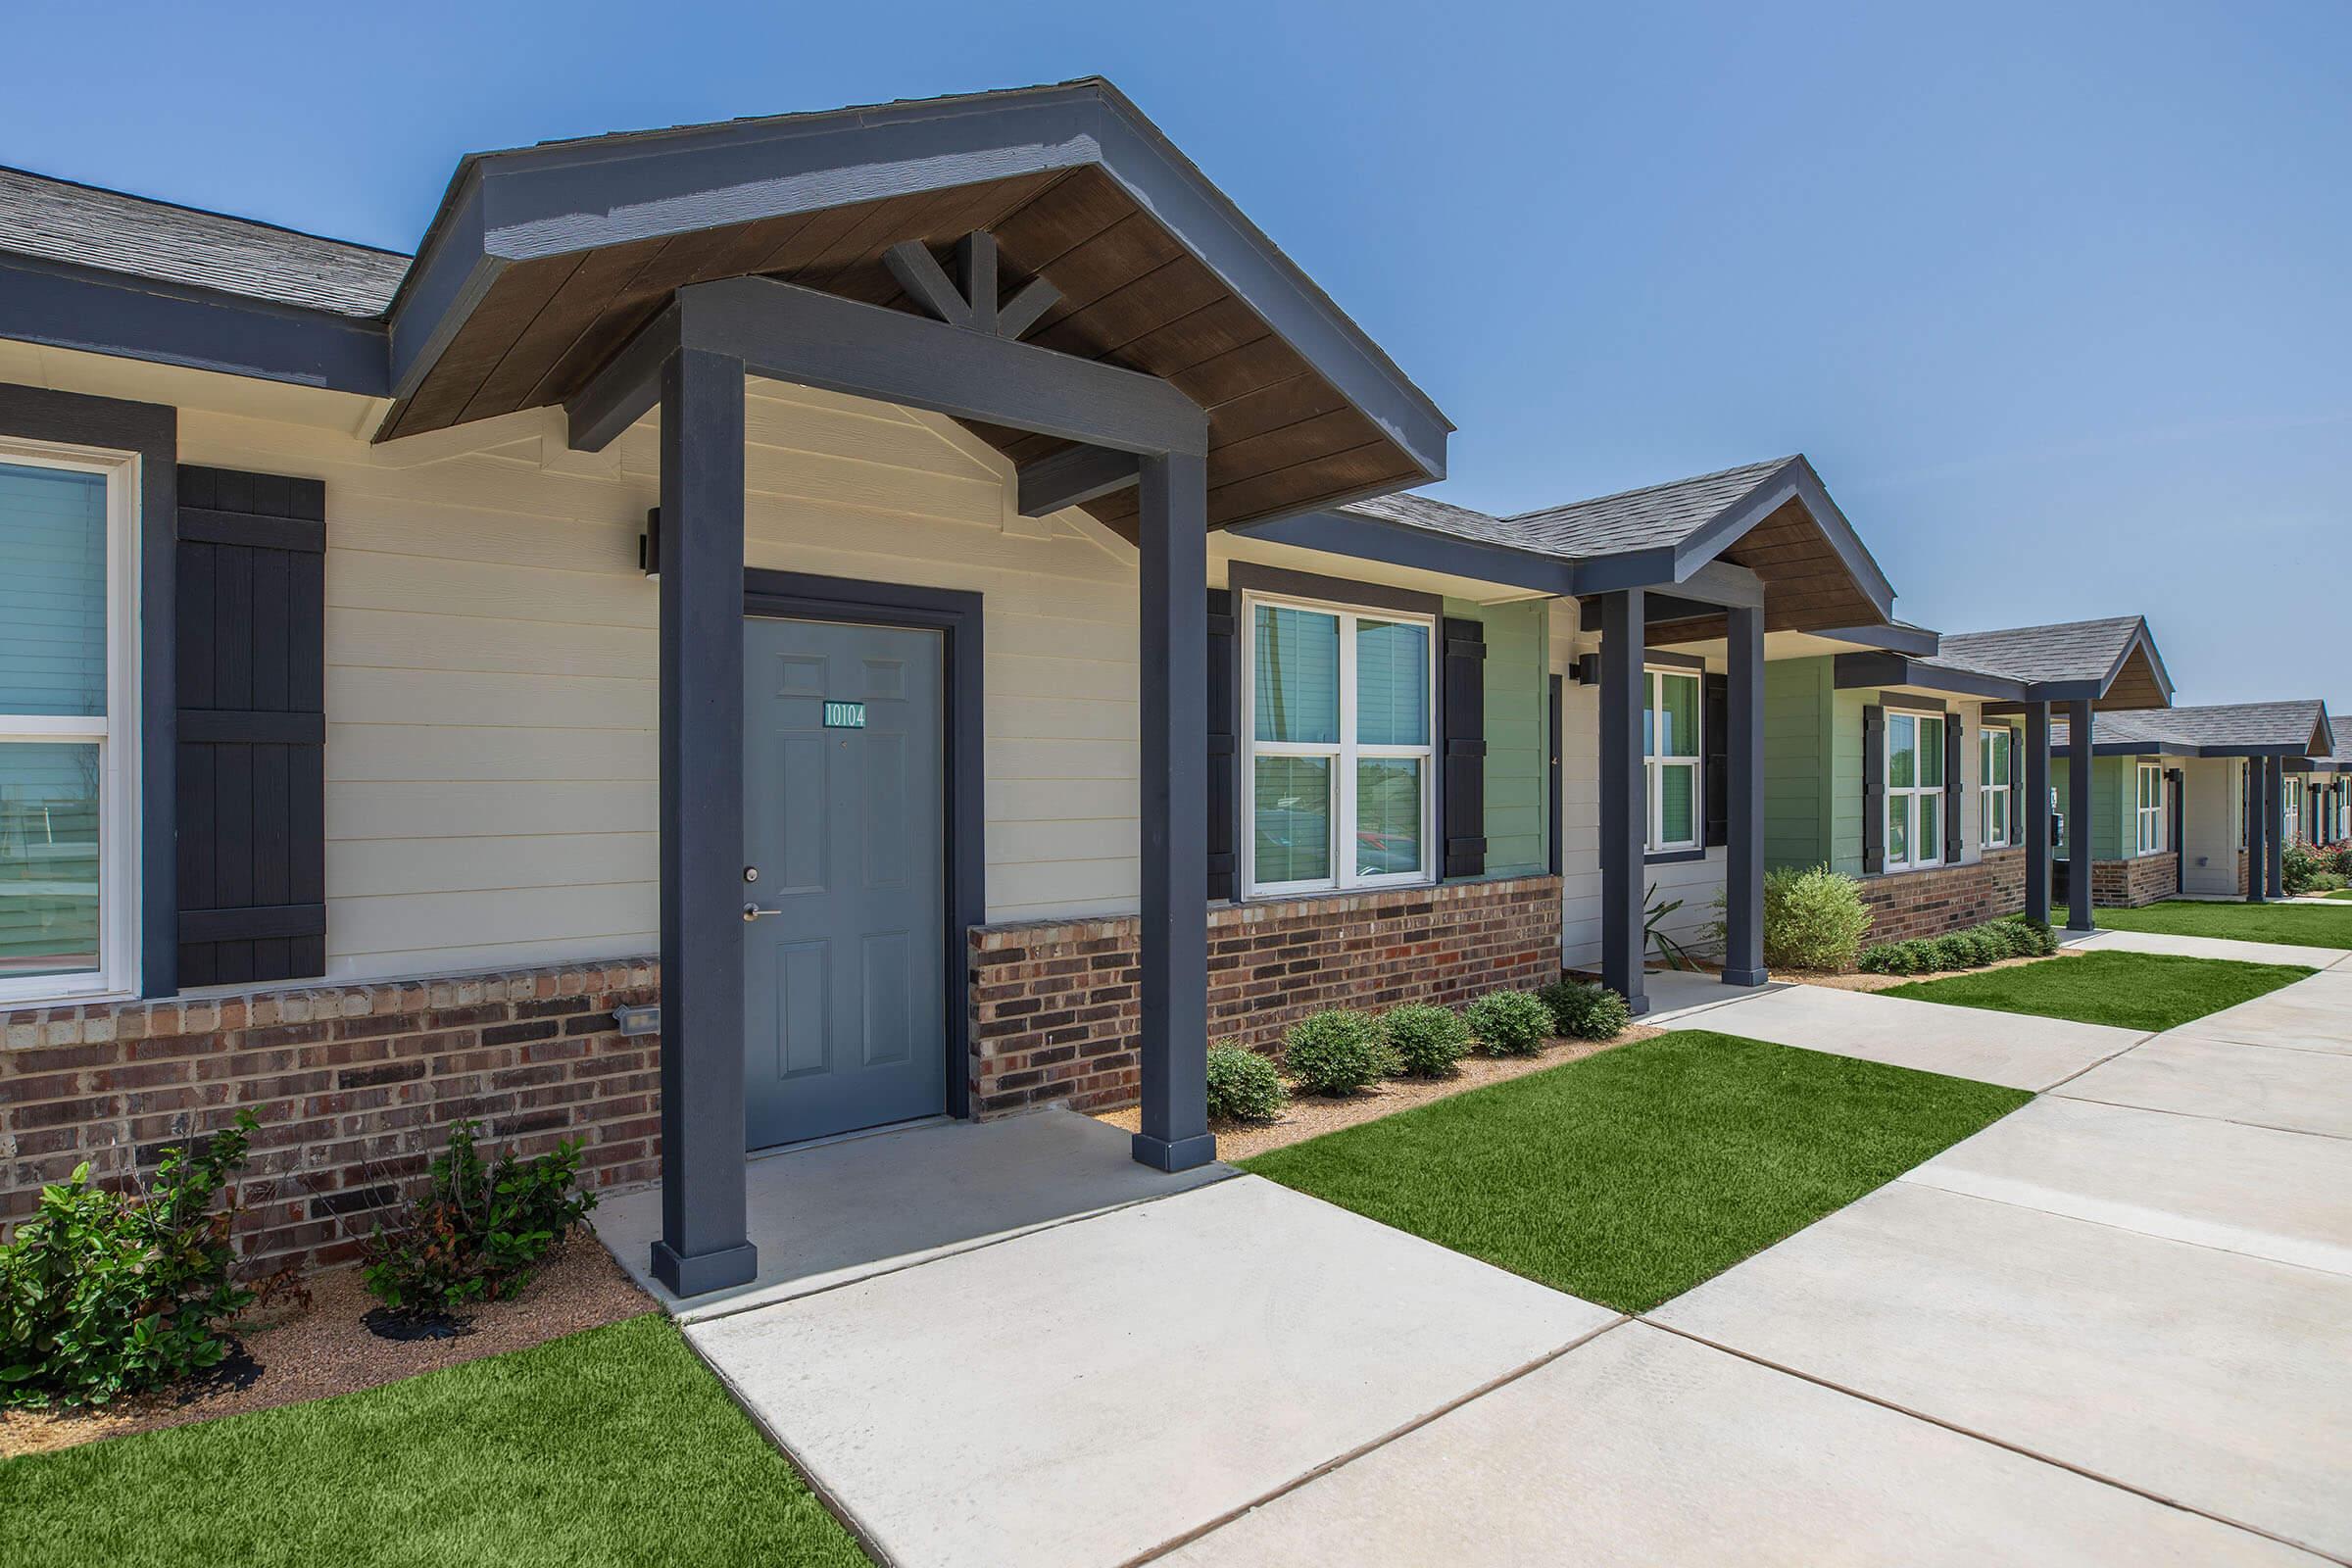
[(845, 715)]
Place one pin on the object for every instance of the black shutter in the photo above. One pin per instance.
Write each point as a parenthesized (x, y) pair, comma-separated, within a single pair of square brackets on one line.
[(1465, 714), (1874, 790), (1224, 744), (252, 671), (1954, 737), (2017, 784), (1715, 724)]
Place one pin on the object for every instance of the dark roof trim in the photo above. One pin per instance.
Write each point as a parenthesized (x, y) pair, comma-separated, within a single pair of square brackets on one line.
[(563, 197), (1872, 671), (1396, 544), (103, 311), (1895, 637)]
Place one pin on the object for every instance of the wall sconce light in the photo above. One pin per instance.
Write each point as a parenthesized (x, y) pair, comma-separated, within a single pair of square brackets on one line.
[(649, 544), (1588, 669)]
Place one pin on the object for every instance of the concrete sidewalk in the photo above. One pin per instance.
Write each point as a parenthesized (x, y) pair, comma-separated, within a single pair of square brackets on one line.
[(2105, 941)]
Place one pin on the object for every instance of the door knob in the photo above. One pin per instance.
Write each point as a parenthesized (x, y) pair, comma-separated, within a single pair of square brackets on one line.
[(753, 911)]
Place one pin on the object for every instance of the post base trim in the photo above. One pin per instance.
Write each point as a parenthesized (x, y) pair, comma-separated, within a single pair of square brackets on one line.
[(1745, 977), (706, 1271), (1181, 1153)]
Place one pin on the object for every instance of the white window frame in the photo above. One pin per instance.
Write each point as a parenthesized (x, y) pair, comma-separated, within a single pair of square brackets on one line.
[(1986, 789), (1653, 767), (116, 734), (2148, 820), (1343, 755), (1911, 791)]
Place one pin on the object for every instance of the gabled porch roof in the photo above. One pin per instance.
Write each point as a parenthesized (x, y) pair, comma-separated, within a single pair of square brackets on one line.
[(2229, 729), (2111, 662)]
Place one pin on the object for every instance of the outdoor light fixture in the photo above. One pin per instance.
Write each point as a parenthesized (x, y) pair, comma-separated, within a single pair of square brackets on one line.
[(649, 544)]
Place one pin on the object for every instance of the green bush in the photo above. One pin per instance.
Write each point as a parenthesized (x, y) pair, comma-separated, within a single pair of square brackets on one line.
[(2003, 940), (1984, 947), (2297, 865), (2039, 941), (480, 1233), (1510, 1023), (1585, 1009), (1335, 1052), (2326, 882), (1425, 1042), (1922, 954), (104, 1294), (1242, 1085), (2341, 863), (1887, 957), (1813, 920), (1954, 950)]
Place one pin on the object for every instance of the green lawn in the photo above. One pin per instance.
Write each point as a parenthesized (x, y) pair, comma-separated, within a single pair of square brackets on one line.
[(2143, 991), (609, 1447), (1631, 1176), (2341, 893), (2239, 922)]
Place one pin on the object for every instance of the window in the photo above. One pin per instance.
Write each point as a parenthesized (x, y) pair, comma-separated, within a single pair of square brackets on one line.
[(1914, 789), (68, 721), (1996, 790), (2291, 810), (2151, 807), (1341, 714), (1670, 758)]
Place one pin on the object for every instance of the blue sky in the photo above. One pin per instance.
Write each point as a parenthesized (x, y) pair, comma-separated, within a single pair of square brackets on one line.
[(2055, 296)]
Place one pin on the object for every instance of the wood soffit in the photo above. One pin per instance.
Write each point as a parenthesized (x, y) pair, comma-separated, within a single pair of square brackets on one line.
[(1807, 585)]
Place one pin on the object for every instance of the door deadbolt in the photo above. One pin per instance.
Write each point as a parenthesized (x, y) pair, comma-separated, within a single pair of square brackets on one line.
[(751, 873)]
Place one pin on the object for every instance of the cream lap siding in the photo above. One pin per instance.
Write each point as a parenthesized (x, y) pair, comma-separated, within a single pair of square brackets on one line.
[(492, 654)]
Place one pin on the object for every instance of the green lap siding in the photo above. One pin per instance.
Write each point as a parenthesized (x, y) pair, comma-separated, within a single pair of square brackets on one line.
[(1846, 779), (1796, 794), (1518, 668), (2114, 824)]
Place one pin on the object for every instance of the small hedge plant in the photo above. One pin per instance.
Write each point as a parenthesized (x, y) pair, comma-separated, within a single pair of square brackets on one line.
[(104, 1294), (1336, 1053), (1242, 1085), (1510, 1023), (2014, 937), (1425, 1042), (1813, 920), (1585, 1009), (2298, 863), (481, 1232)]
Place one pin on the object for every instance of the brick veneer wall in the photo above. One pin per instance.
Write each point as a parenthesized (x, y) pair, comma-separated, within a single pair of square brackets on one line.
[(1905, 905), (354, 1086), (1054, 1003), (2141, 879)]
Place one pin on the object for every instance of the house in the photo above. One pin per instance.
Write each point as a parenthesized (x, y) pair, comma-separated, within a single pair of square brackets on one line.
[(2185, 800), (1920, 762), (772, 628), (2322, 780)]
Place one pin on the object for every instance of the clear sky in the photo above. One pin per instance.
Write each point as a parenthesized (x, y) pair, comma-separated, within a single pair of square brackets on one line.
[(2054, 295)]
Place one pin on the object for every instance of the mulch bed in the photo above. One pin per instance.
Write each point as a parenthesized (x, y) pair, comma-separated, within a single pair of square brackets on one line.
[(303, 1354), (1858, 981), (1312, 1115)]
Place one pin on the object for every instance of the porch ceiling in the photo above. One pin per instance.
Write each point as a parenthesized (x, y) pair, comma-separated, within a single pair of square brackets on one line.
[(544, 262)]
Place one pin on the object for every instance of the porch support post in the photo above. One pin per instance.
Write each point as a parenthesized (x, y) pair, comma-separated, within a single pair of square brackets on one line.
[(2079, 830), (703, 1244), (1744, 756), (2038, 812), (1173, 543), (2274, 797), (2256, 858), (1623, 795)]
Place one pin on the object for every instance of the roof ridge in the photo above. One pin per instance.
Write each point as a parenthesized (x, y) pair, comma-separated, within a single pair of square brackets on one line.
[(205, 212), (1646, 489), (2051, 625)]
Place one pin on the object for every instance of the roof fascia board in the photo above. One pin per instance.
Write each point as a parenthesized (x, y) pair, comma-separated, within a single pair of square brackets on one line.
[(1630, 568), (69, 307), (2140, 638), (1797, 479), (1397, 544), (1916, 641), (573, 196), (1864, 671)]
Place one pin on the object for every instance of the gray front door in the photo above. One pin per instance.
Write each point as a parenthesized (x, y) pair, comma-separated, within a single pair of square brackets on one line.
[(844, 808)]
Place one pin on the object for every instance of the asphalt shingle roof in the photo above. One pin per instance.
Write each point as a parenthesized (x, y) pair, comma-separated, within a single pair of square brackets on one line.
[(2228, 724), (1639, 520), (59, 220), (2075, 650)]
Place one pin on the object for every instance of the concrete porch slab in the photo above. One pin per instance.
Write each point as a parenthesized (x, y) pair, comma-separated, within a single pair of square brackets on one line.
[(1996, 1048), (2286, 1197), (2205, 1377), (2313, 1014), (2182, 946), (828, 1214), (1644, 1447), (2266, 1086), (1096, 1390)]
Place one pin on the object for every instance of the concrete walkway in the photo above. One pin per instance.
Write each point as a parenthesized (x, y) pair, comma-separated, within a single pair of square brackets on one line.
[(2211, 948)]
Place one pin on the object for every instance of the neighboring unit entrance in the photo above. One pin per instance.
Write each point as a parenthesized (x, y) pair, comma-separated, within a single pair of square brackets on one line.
[(845, 827)]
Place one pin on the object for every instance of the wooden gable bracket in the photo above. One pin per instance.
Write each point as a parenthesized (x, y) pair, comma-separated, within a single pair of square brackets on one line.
[(970, 299)]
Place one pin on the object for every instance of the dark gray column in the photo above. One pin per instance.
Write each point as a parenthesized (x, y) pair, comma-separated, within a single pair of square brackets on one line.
[(2079, 831), (1173, 541), (2256, 817), (2273, 800), (1623, 795), (703, 1244), (2035, 819), (1744, 756)]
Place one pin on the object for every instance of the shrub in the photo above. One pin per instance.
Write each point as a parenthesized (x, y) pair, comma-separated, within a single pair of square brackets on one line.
[(1335, 1052), (2326, 882), (1510, 1023), (1584, 1009), (2340, 861), (103, 1293), (1813, 920), (2297, 863), (1984, 947), (1921, 955), (1425, 1042), (2038, 940), (1242, 1085), (2003, 940), (480, 1233), (1953, 950), (1887, 957)]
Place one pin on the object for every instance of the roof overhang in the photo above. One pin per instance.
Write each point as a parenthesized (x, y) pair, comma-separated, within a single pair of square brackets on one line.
[(2134, 681), (542, 261), (1917, 642), (1872, 671)]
